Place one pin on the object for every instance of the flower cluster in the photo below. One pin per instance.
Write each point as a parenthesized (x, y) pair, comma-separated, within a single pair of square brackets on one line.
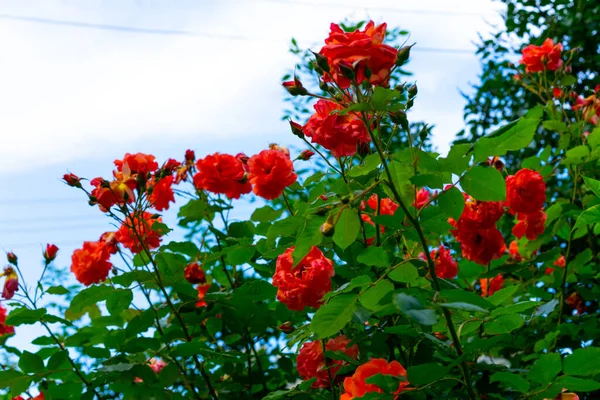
[(356, 386), (5, 329), (546, 57), (311, 361), (525, 196), (305, 284), (445, 266)]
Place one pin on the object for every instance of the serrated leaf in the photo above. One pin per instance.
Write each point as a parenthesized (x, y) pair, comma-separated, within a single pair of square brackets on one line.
[(24, 316), (266, 214), (464, 306), (346, 228), (89, 296), (405, 273), (58, 290), (374, 256), (583, 362), (423, 374), (119, 301), (511, 381), (577, 384), (31, 363), (593, 185), (452, 202), (372, 161), (504, 324), (588, 217), (484, 183), (371, 297), (545, 369), (333, 316), (514, 136), (413, 309)]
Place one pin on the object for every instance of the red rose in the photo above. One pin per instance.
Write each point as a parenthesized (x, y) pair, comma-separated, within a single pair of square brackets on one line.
[(50, 253), (481, 245), (480, 214), (445, 266), (513, 250), (5, 329), (495, 284), (546, 56), (222, 174), (525, 191), (119, 191), (530, 225), (271, 171), (423, 197), (194, 273), (386, 206), (339, 134), (202, 289), (560, 262), (162, 193), (138, 163), (90, 263), (11, 257), (305, 155), (576, 302), (356, 386), (304, 284), (130, 238), (295, 87), (358, 51), (311, 362), (190, 157)]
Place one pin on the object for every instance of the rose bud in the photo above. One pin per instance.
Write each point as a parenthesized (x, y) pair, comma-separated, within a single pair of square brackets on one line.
[(347, 69), (50, 253), (190, 157), (194, 273), (321, 61), (72, 180), (413, 90), (295, 87), (327, 229), (305, 155), (403, 55), (287, 327), (12, 258), (296, 129)]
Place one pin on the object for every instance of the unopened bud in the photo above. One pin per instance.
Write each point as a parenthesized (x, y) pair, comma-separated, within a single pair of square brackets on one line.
[(409, 104), (399, 118), (242, 157), (296, 129), (321, 61), (403, 55), (295, 87), (190, 157), (412, 91), (363, 149), (496, 163), (306, 154), (423, 134), (400, 88), (287, 327), (50, 253), (12, 258), (346, 69), (345, 200), (323, 86), (327, 228), (72, 180)]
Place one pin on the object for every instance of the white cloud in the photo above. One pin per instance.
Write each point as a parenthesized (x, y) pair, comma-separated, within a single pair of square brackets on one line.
[(69, 92)]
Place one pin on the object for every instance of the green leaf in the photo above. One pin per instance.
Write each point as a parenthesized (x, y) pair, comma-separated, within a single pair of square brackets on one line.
[(374, 256), (577, 384), (414, 310), (452, 202), (119, 301), (593, 138), (346, 228), (405, 273), (593, 185), (187, 248), (195, 210), (171, 267), (116, 367), (89, 296), (457, 160), (9, 377), (387, 383), (511, 381), (504, 324), (333, 316), (588, 217), (307, 238), (577, 155), (514, 136), (266, 214), (423, 374), (514, 308), (545, 369), (239, 255), (583, 362), (484, 183), (370, 164), (58, 290), (462, 296), (24, 316), (58, 360), (503, 295), (382, 97), (464, 306), (371, 297), (31, 363)]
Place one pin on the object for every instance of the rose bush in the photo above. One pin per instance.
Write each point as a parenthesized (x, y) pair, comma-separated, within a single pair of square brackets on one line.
[(385, 274)]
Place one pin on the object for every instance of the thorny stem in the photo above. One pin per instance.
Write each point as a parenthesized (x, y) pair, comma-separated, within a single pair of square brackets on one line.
[(197, 362), (187, 384), (430, 264)]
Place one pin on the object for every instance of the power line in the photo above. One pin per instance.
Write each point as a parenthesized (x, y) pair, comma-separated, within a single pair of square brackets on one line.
[(381, 9), (153, 31)]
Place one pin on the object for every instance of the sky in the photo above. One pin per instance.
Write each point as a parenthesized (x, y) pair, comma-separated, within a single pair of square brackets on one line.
[(84, 82)]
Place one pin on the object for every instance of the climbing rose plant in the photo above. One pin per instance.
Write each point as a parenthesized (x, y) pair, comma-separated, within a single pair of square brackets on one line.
[(391, 273)]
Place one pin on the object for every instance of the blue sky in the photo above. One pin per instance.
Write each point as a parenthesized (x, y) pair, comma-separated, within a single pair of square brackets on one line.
[(84, 82)]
